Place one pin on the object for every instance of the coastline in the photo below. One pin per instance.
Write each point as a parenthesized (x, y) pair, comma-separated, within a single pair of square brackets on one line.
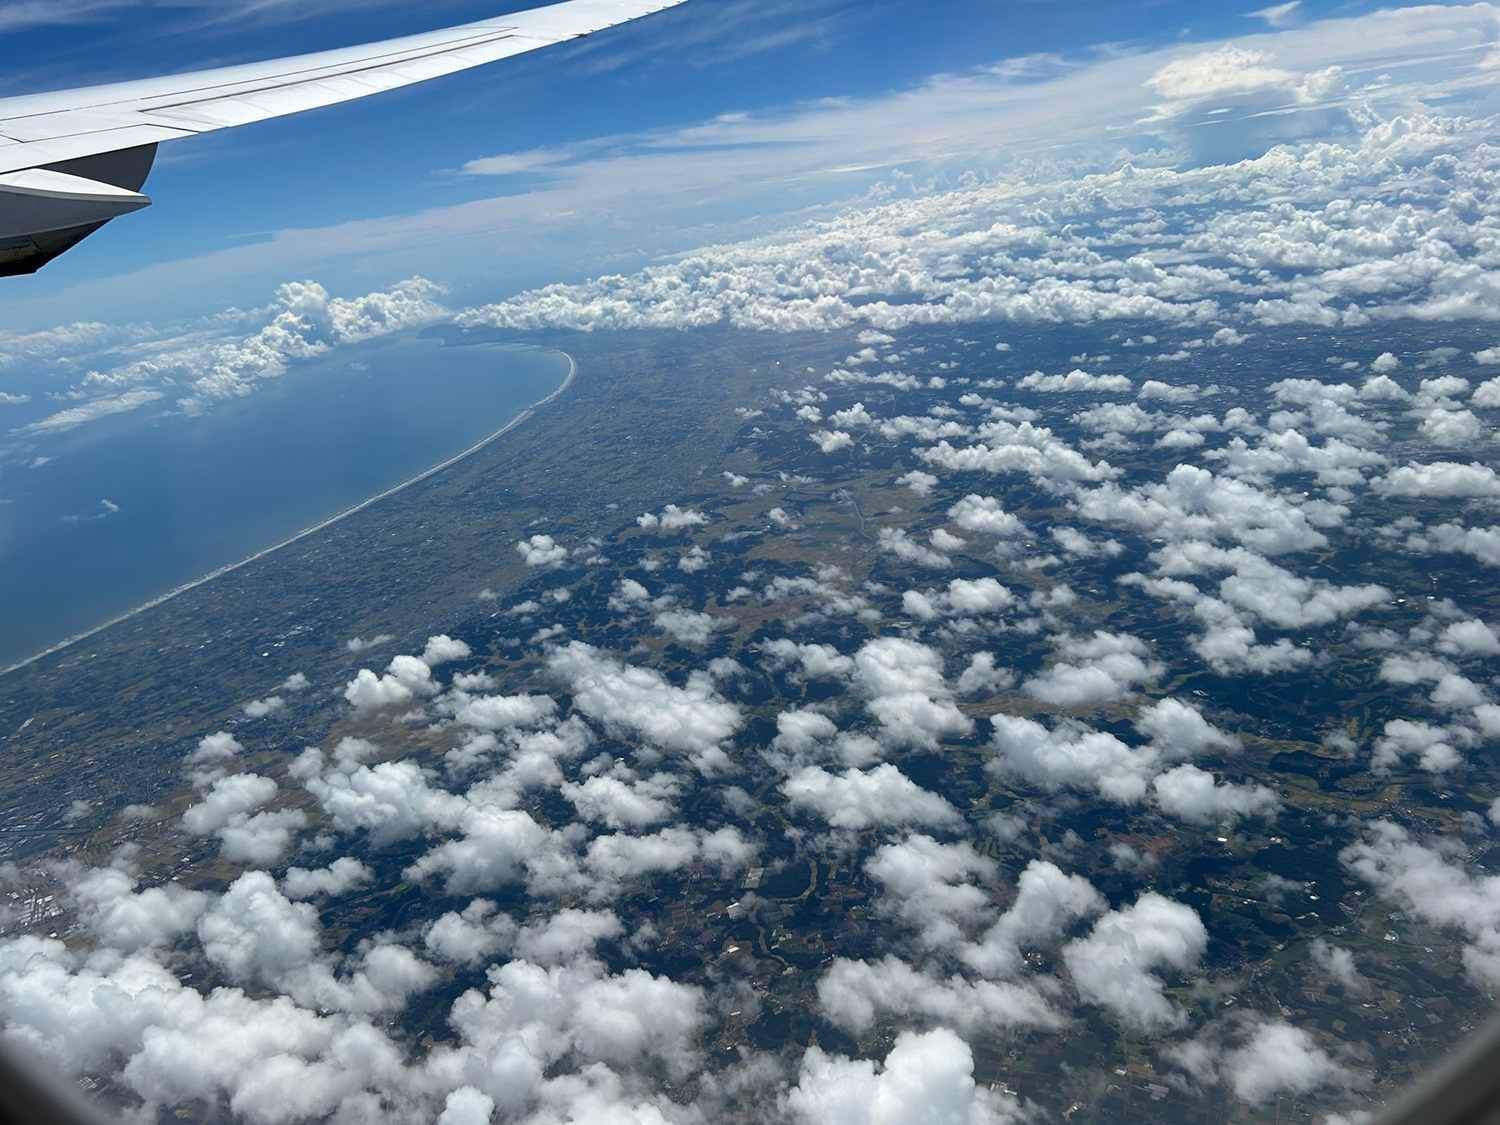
[(523, 416)]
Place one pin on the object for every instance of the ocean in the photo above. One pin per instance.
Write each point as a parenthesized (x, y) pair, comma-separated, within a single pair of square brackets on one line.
[(103, 518)]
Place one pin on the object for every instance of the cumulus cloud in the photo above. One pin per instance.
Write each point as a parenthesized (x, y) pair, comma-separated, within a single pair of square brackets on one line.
[(1433, 886), (1072, 755), (407, 678), (1195, 795), (1264, 1059), (904, 688), (1440, 479), (926, 1079), (1115, 966), (1103, 668), (881, 797), (542, 551), (673, 518), (694, 719), (343, 875), (1075, 380), (1212, 74)]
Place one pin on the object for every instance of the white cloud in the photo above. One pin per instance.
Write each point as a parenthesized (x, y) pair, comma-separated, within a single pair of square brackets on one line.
[(688, 627), (903, 685), (1073, 755), (692, 719), (1104, 668), (343, 875), (983, 514), (1115, 965), (230, 797), (1427, 883), (1195, 795), (1440, 479), (407, 678), (542, 551), (1075, 380), (673, 518), (882, 797), (926, 1079), (444, 650), (1214, 74)]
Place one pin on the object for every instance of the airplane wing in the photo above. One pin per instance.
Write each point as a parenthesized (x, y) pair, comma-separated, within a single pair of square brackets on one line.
[(73, 160)]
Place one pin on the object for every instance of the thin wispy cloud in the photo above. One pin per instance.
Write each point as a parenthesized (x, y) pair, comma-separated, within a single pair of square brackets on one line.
[(1278, 15)]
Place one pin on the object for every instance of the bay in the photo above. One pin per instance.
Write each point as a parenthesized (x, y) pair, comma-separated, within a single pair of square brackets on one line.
[(126, 509)]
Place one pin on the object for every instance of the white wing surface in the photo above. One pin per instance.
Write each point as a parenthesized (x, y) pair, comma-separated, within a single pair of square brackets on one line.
[(99, 137)]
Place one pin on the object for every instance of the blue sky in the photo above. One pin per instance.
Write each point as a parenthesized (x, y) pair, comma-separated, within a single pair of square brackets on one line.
[(400, 154)]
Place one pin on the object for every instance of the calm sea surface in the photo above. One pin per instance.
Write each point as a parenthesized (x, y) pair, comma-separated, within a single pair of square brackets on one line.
[(128, 508)]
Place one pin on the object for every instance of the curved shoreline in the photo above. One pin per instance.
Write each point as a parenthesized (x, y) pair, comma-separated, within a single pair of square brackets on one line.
[(162, 599)]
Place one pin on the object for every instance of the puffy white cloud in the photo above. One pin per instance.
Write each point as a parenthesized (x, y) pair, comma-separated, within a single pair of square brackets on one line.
[(1264, 1060), (1282, 1059), (855, 994), (926, 1079), (1193, 503), (567, 936), (903, 685), (444, 650), (1214, 74), (467, 1106), (1482, 543), (895, 541), (1075, 380), (472, 935), (1115, 965), (1195, 795), (633, 1019), (925, 885), (923, 483), (1440, 479), (230, 797), (256, 935), (1452, 428), (1430, 883), (882, 797), (1073, 755), (673, 518), (1004, 447), (1469, 638), (260, 840), (1432, 746), (542, 551), (408, 678), (1104, 668), (622, 803), (1337, 967), (499, 712), (214, 748), (343, 875), (817, 661), (688, 627), (1179, 730), (260, 708), (831, 441), (965, 597), (693, 719), (983, 514), (391, 800), (1267, 591), (123, 917), (982, 677), (1486, 396), (495, 848)]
